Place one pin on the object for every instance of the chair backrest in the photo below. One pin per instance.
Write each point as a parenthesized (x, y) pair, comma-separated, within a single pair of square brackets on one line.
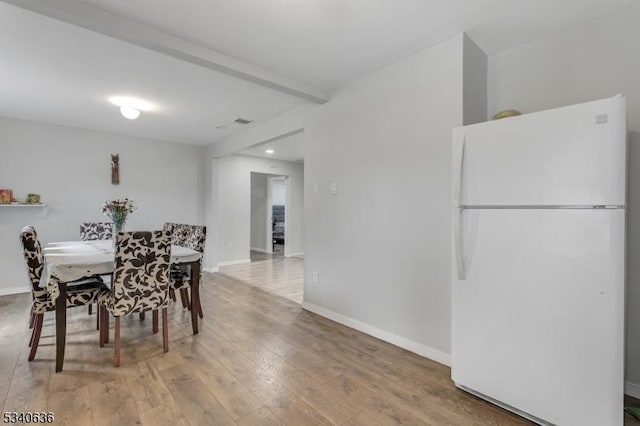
[(189, 236), (141, 275), (32, 252), (96, 231), (168, 227)]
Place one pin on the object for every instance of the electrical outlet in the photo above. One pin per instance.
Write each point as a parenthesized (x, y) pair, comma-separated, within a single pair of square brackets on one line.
[(334, 188), (316, 189), (316, 277)]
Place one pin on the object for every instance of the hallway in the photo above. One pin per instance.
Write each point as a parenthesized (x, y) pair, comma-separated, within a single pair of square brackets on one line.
[(279, 275)]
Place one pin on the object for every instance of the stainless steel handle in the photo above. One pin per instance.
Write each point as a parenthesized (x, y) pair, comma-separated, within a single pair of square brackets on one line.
[(459, 174), (459, 242)]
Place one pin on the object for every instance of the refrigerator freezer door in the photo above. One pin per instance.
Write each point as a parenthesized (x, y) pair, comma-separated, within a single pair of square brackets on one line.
[(538, 319), (567, 156)]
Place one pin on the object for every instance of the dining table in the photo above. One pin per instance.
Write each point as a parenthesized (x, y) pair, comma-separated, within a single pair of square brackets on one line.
[(68, 261)]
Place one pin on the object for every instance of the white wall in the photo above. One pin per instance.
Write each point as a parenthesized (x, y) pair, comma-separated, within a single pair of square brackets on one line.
[(382, 245), (71, 169), (595, 60), (278, 192), (259, 192), (474, 83), (231, 186)]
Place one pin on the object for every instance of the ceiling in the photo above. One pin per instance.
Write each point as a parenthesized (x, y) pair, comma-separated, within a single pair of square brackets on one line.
[(329, 43), (207, 62), (63, 74), (289, 148)]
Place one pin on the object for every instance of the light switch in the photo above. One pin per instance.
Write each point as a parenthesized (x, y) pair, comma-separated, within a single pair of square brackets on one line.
[(334, 188), (316, 189)]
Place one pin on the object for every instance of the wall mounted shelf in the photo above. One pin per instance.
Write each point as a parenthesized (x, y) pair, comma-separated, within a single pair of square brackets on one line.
[(23, 205)]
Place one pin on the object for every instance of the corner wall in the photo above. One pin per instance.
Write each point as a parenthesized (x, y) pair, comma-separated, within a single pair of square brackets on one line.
[(231, 218), (595, 60), (381, 245), (70, 168)]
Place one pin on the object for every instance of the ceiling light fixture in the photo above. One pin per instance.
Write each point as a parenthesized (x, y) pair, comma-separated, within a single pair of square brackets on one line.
[(129, 112), (131, 107), (269, 151)]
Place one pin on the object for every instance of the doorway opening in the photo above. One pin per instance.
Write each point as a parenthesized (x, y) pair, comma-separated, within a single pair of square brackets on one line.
[(269, 199), (278, 187)]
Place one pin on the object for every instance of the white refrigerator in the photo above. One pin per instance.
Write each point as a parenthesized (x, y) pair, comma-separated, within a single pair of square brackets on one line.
[(539, 263)]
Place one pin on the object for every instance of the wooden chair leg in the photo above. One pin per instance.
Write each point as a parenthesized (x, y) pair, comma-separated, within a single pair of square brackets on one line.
[(116, 343), (105, 318), (172, 294), (33, 331), (155, 321), (165, 330), (90, 309), (199, 302), (141, 316), (37, 329), (184, 292), (101, 327), (97, 317), (183, 298), (32, 318), (187, 298)]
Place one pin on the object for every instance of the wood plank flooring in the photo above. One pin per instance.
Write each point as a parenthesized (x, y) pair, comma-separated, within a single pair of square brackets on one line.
[(258, 360), (275, 274)]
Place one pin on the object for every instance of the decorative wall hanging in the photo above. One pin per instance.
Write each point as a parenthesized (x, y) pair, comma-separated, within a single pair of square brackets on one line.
[(115, 169)]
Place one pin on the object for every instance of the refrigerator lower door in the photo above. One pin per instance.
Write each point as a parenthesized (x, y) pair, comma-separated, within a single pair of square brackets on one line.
[(538, 317)]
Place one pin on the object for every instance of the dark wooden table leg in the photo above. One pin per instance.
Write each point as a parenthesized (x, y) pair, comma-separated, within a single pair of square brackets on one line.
[(195, 294), (61, 325)]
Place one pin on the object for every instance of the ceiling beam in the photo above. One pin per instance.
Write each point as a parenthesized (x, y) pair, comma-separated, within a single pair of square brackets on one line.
[(286, 124), (83, 15)]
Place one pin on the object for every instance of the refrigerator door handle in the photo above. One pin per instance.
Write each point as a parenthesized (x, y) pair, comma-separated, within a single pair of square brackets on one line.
[(459, 173), (459, 243)]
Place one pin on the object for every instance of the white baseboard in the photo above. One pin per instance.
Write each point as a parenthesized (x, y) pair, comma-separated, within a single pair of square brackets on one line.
[(211, 270), (234, 262), (632, 389), (415, 347), (294, 254), (260, 250), (14, 290)]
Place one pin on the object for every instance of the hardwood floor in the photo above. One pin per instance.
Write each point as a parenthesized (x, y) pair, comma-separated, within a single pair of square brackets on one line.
[(259, 360), (258, 255), (278, 275)]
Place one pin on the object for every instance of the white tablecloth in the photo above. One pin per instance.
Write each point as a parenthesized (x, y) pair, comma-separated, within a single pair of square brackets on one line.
[(72, 260)]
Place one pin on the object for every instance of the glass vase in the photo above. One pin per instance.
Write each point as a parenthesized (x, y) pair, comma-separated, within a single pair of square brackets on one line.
[(118, 226)]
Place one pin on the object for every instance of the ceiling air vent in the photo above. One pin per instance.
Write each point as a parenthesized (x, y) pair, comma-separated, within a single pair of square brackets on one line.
[(242, 121)]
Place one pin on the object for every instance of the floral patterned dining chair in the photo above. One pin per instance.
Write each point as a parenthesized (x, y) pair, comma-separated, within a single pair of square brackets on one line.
[(140, 283), (91, 231), (194, 238), (96, 231), (79, 293)]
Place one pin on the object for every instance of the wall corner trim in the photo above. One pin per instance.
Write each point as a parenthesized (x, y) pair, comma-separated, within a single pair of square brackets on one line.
[(234, 262), (294, 254), (14, 290), (402, 342), (632, 389)]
